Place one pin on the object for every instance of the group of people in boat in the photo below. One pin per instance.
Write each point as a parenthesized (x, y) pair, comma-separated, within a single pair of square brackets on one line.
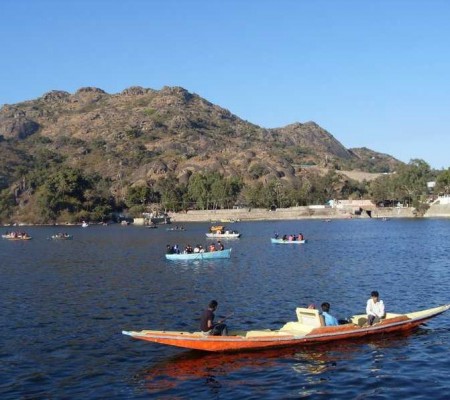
[(176, 228), (219, 229), (16, 235), (62, 235), (290, 238), (375, 311), (188, 249)]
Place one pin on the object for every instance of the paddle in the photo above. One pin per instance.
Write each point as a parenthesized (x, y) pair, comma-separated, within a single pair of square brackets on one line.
[(226, 317)]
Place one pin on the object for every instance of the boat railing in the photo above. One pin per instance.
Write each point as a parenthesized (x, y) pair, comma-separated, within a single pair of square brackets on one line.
[(264, 332)]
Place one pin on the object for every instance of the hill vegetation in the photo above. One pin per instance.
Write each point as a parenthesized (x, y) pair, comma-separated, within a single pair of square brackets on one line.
[(92, 155)]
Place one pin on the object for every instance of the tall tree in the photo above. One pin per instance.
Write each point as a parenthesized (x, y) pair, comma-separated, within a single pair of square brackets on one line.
[(443, 182), (412, 179), (198, 191), (171, 193)]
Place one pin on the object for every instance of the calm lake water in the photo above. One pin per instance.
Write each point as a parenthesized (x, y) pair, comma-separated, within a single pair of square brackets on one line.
[(65, 303)]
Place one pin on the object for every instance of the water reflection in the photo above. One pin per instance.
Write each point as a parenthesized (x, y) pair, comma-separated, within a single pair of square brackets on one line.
[(308, 362), (322, 358), (210, 367)]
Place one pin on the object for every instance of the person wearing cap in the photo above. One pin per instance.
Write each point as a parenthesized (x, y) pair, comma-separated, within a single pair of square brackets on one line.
[(375, 308)]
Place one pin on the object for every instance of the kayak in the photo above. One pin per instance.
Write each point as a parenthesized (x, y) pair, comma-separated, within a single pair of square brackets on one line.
[(307, 330), (281, 241), (200, 256)]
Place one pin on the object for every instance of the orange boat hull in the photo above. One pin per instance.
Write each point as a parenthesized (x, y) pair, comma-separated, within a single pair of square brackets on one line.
[(276, 339)]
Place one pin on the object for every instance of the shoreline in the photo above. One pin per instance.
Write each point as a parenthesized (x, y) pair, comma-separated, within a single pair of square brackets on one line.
[(309, 212), (280, 214), (294, 213)]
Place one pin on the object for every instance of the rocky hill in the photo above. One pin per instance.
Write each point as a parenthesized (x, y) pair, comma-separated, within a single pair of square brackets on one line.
[(72, 156), (142, 134)]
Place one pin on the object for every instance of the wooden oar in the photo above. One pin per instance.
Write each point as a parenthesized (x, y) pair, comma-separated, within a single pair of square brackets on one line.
[(226, 317)]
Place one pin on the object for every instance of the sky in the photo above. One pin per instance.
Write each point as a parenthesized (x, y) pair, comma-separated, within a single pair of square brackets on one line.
[(373, 73)]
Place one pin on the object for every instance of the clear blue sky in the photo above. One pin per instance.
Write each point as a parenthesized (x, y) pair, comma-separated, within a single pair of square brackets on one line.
[(373, 73)]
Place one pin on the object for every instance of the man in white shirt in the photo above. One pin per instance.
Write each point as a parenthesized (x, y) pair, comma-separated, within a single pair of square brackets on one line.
[(375, 308)]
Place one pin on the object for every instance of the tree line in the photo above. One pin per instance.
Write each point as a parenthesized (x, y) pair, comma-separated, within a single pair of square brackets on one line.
[(64, 194)]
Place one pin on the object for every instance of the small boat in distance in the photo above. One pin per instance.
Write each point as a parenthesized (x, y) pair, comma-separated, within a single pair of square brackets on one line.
[(282, 241), (176, 228), (209, 255), (219, 232), (16, 236), (62, 236), (307, 330), (288, 239)]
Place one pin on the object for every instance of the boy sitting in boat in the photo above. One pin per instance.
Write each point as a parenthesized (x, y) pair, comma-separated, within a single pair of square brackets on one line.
[(375, 308)]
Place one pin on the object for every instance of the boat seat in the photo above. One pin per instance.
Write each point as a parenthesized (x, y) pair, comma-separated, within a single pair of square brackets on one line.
[(361, 320), (308, 319), (296, 327)]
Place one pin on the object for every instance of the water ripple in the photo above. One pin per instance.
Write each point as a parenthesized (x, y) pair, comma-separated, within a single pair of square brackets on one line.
[(65, 304)]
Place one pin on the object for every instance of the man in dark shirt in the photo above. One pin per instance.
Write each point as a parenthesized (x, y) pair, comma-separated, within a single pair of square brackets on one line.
[(207, 324)]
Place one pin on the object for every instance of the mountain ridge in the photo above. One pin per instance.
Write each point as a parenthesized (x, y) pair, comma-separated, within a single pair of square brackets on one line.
[(140, 135)]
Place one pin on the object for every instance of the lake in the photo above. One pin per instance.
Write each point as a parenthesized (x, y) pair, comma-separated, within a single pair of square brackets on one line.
[(65, 303)]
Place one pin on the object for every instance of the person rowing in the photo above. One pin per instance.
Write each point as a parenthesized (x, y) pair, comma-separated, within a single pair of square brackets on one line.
[(207, 325)]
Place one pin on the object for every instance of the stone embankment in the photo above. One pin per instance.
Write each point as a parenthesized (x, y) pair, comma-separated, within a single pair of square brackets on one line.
[(258, 214), (438, 211)]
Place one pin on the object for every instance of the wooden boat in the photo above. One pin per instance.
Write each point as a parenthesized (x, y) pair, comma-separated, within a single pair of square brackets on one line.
[(281, 241), (200, 256), (16, 236), (225, 235), (307, 330), (219, 232)]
